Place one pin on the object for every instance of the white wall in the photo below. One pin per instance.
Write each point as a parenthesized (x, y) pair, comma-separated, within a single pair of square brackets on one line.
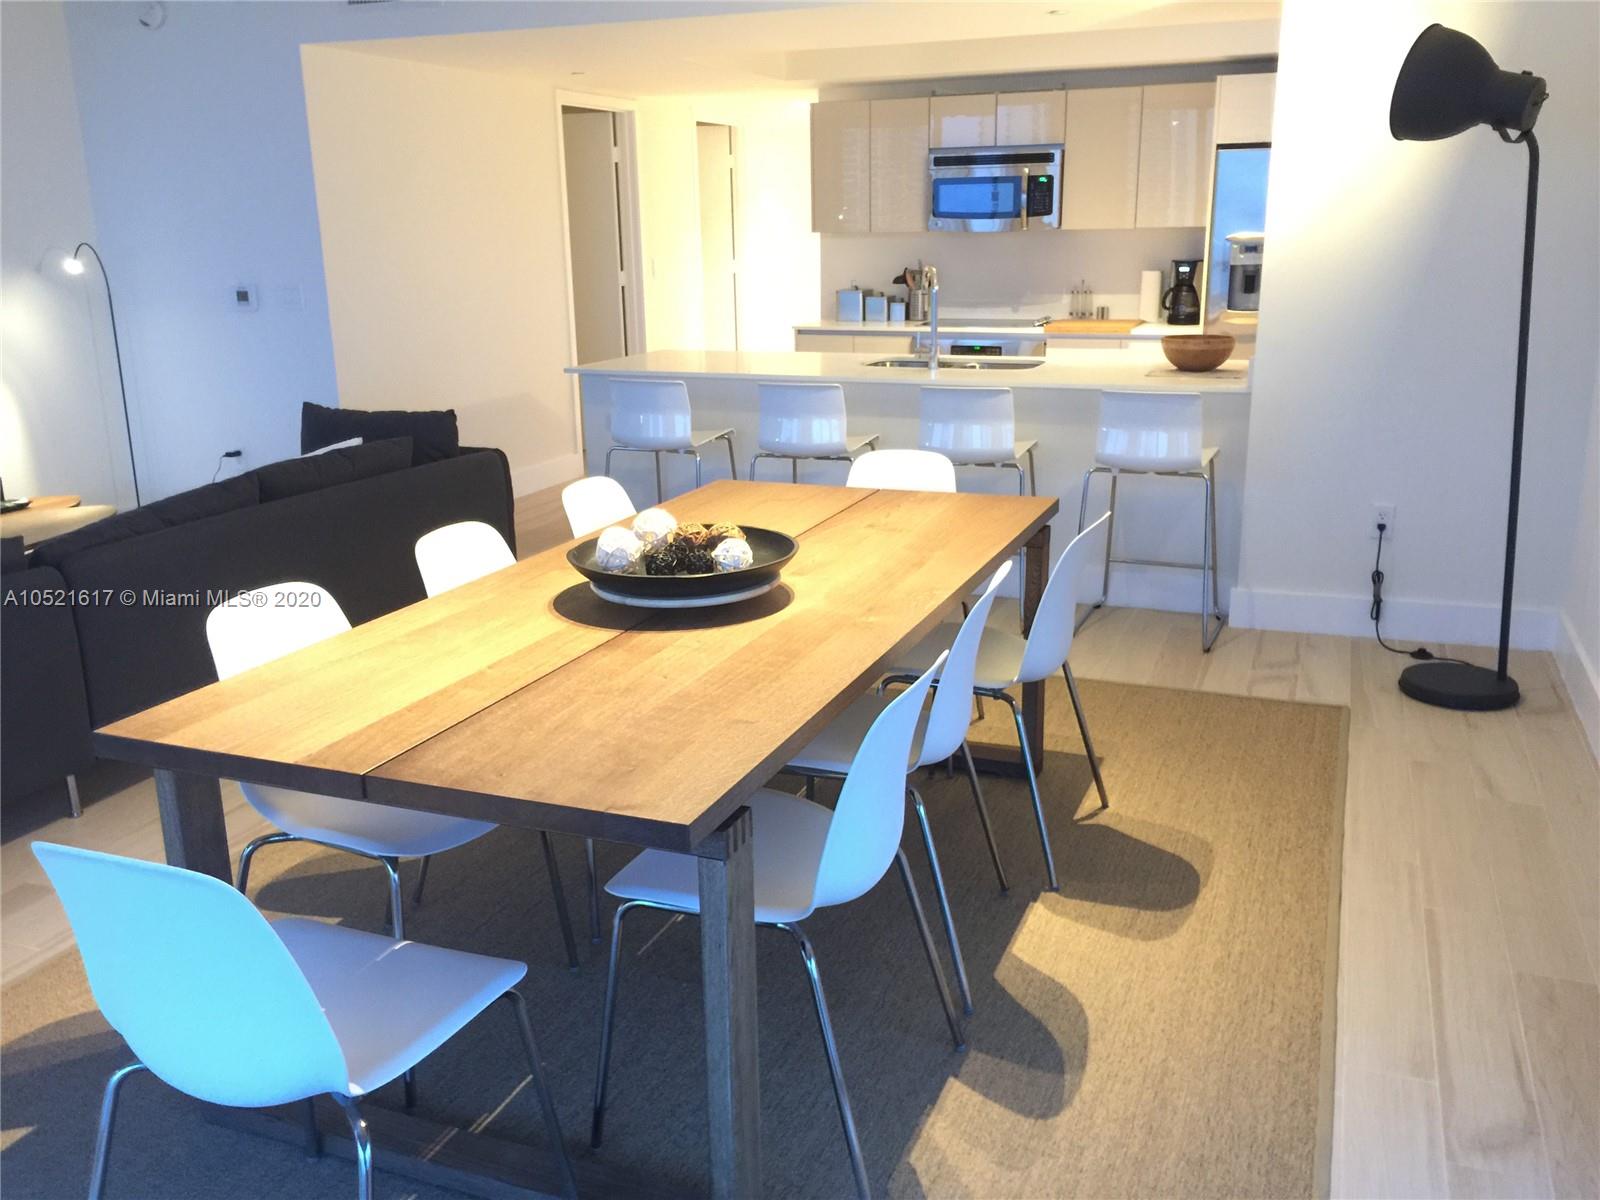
[(778, 254), (199, 163), (439, 200), (61, 422), (1578, 640), (1387, 344)]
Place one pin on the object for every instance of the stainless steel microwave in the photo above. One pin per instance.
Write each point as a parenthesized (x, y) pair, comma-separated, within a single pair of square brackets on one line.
[(994, 189)]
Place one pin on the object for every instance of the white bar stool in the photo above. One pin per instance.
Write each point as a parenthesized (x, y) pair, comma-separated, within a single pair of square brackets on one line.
[(1158, 433), (652, 416), (976, 427), (805, 420)]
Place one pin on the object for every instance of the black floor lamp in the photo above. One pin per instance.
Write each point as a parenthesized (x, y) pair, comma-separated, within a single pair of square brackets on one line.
[(74, 266), (1447, 85)]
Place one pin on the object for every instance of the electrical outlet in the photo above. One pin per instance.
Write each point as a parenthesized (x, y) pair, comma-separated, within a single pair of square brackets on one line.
[(1382, 514)]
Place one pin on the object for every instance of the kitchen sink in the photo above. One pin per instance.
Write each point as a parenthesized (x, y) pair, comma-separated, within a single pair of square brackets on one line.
[(965, 363)]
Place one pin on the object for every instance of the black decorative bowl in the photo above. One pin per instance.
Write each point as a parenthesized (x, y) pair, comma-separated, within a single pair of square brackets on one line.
[(770, 548)]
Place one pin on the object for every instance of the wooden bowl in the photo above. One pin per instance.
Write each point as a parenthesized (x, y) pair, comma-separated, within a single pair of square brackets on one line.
[(1197, 351)]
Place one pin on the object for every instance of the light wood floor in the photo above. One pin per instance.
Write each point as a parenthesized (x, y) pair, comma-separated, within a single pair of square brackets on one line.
[(1468, 1058)]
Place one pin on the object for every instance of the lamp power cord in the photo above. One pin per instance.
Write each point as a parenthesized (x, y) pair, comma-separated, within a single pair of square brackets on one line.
[(1421, 653)]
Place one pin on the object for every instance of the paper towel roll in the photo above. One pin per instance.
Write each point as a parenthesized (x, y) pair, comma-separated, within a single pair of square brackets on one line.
[(1150, 295)]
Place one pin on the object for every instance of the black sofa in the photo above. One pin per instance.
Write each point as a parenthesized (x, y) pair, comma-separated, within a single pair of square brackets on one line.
[(143, 582)]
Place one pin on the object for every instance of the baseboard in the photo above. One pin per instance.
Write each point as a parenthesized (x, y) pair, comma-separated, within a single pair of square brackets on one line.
[(1428, 621), (535, 477), (1582, 682)]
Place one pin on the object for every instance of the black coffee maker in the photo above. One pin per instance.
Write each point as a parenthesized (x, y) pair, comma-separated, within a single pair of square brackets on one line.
[(1182, 299)]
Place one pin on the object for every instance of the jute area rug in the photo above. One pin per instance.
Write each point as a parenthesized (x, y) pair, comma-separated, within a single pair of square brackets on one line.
[(1162, 1027)]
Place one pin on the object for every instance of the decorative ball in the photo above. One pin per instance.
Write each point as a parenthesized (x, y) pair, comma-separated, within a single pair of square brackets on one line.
[(653, 525), (733, 554), (664, 558), (696, 560), (617, 549), (691, 533), (721, 532)]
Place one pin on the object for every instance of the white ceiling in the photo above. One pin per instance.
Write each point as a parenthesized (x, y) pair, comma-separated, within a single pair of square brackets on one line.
[(818, 45)]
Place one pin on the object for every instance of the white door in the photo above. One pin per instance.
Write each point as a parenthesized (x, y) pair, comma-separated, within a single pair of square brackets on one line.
[(594, 225), (718, 246)]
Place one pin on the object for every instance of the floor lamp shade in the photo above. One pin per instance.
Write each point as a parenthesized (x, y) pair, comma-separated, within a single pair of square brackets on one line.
[(1447, 85)]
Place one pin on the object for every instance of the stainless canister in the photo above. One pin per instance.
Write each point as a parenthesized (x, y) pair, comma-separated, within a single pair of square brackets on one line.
[(917, 304)]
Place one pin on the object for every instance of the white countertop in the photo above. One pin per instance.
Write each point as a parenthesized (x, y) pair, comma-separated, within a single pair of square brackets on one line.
[(974, 327), (1065, 369)]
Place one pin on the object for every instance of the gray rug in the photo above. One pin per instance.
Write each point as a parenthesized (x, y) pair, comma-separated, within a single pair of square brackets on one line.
[(1161, 1027)]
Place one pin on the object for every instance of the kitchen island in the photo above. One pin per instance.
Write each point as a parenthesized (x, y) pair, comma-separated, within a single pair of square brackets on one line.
[(1057, 404)]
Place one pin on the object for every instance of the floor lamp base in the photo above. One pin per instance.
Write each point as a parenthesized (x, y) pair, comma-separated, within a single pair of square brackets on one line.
[(1459, 685)]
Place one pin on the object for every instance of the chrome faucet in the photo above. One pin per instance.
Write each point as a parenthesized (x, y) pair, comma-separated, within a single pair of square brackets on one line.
[(931, 275)]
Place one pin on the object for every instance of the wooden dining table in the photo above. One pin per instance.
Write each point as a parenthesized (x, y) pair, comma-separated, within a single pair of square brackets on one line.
[(524, 699)]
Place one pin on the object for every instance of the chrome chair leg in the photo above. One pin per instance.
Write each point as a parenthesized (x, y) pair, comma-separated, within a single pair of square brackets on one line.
[(102, 1141), (956, 1034), (422, 880), (560, 895), (660, 490), (1088, 743), (733, 469), (943, 897), (1083, 519), (594, 892), (699, 467), (313, 1130), (1111, 528), (983, 817), (1210, 606), (249, 852), (72, 796), (607, 1020), (1033, 787), (397, 916), (363, 1144), (808, 955), (1033, 475), (552, 1123), (794, 470)]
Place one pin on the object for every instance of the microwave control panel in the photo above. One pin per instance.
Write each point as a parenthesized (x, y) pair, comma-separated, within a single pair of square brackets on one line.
[(1041, 195)]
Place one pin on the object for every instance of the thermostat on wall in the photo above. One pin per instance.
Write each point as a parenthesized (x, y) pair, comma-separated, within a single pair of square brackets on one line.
[(244, 297)]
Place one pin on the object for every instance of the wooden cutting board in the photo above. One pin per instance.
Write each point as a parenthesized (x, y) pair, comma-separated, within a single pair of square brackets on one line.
[(1091, 326)]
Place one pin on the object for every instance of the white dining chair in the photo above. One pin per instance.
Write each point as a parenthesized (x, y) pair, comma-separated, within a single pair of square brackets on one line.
[(806, 857), (456, 554), (232, 1009), (1158, 433), (976, 427), (903, 471), (832, 752), (258, 626), (594, 502), (805, 420), (653, 416), (1006, 660)]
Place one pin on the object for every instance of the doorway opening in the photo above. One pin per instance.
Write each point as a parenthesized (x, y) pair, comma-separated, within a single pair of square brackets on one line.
[(602, 232), (719, 246)]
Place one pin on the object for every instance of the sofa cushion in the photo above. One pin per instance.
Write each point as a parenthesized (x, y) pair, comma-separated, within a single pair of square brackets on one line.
[(433, 435), (329, 467), (194, 505)]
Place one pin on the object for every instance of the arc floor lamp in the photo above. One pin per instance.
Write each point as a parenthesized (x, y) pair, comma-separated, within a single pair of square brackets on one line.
[(73, 265), (1447, 85)]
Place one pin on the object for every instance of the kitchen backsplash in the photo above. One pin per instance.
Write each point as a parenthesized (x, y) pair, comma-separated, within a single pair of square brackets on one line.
[(1027, 271)]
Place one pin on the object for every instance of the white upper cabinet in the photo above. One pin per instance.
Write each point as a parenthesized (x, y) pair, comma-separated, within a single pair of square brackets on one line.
[(900, 165), (1244, 108), (841, 152), (1100, 177), (1030, 118), (961, 120), (1175, 152)]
